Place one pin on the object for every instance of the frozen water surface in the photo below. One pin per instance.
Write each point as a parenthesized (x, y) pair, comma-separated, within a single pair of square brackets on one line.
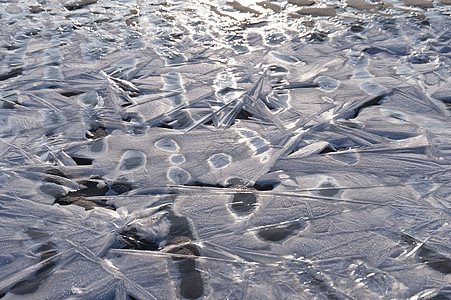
[(220, 149)]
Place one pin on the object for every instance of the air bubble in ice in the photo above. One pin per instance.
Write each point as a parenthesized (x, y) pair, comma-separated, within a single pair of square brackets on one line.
[(97, 147), (279, 233), (178, 175), (219, 160), (131, 160), (177, 158), (327, 84), (167, 144)]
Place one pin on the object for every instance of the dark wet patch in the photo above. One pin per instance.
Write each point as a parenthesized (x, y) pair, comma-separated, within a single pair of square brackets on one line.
[(47, 252), (91, 189), (372, 102), (373, 50), (426, 255), (179, 243), (327, 189), (276, 234), (191, 282), (82, 161), (264, 186), (202, 184), (243, 203), (70, 93), (185, 247), (435, 260), (10, 74), (37, 235), (56, 172)]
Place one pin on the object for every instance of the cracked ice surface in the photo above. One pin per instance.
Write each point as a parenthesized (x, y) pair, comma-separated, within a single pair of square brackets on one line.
[(225, 149)]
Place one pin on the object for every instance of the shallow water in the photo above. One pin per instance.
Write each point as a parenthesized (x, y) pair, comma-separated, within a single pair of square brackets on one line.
[(225, 149)]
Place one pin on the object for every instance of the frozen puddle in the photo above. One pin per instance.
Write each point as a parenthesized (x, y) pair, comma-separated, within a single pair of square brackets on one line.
[(282, 149)]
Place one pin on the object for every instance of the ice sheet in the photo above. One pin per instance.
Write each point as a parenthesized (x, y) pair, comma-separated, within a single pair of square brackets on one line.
[(225, 149)]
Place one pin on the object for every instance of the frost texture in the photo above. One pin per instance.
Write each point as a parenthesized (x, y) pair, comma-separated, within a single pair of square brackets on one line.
[(225, 150)]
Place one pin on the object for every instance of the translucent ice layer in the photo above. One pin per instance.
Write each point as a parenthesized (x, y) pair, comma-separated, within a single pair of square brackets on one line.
[(292, 149)]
